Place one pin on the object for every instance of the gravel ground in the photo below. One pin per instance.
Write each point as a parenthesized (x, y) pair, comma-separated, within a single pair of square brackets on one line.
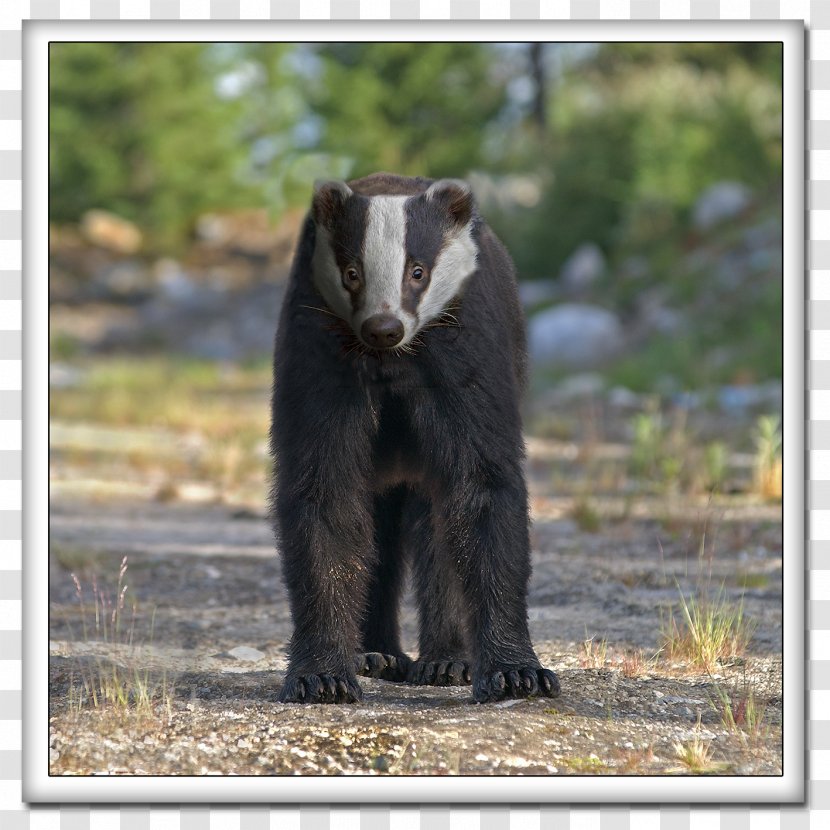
[(212, 621)]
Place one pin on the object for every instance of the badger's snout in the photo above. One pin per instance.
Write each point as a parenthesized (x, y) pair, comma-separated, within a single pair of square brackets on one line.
[(382, 331)]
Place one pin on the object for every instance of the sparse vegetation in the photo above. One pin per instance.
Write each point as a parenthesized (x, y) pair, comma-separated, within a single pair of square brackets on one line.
[(177, 419), (122, 681), (585, 764), (585, 515), (633, 761), (594, 654), (706, 630), (769, 468), (741, 712), (663, 452), (695, 755), (634, 664), (715, 462)]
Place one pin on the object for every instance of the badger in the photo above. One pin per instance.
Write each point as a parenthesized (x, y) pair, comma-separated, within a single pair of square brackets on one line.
[(398, 365)]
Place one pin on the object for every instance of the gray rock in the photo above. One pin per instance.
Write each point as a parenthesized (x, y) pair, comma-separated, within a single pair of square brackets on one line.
[(174, 284), (739, 399), (127, 279), (64, 376), (621, 397), (246, 653), (720, 202), (574, 335), (583, 268), (583, 385), (635, 268), (536, 292), (765, 234), (664, 320), (687, 399)]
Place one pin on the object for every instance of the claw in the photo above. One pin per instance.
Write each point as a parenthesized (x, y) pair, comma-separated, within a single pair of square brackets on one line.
[(320, 688), (516, 683)]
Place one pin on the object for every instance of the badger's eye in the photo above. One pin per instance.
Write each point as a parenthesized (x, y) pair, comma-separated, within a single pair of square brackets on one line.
[(350, 277), (417, 273)]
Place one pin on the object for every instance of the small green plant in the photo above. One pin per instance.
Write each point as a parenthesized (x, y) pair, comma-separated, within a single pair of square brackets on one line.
[(63, 346), (585, 764), (586, 516), (661, 453), (741, 712), (708, 630), (753, 580), (122, 681), (768, 468), (647, 448), (714, 464)]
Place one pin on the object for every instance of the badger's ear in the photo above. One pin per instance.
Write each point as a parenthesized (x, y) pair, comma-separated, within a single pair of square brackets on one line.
[(455, 197), (328, 201)]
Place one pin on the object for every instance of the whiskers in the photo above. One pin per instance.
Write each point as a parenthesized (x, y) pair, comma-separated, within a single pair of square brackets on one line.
[(353, 347), (321, 310), (405, 348), (446, 319)]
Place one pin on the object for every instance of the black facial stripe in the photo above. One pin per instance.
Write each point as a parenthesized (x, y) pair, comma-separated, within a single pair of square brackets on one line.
[(425, 231), (346, 233), (347, 230), (425, 237)]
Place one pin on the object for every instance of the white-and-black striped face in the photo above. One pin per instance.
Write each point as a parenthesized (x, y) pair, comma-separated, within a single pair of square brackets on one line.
[(389, 265)]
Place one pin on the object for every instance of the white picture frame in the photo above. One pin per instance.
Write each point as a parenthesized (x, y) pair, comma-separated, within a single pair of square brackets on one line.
[(39, 786)]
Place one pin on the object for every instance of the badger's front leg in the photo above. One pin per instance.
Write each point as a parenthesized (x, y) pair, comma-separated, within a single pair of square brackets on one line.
[(326, 535), (483, 520)]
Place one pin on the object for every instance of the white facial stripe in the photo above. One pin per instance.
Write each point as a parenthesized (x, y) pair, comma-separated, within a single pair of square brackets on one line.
[(326, 276), (384, 255), (455, 263)]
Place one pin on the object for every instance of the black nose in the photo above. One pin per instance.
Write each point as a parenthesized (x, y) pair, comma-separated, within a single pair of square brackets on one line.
[(382, 331)]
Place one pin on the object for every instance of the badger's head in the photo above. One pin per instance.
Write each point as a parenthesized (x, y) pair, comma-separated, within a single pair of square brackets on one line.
[(389, 265)]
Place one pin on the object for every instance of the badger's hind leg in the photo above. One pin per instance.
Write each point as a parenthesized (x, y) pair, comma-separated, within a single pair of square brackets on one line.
[(382, 655), (443, 653)]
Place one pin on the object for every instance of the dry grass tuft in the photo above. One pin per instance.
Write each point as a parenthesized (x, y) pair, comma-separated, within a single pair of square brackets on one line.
[(633, 761), (123, 684), (695, 755), (705, 631), (634, 664), (593, 654)]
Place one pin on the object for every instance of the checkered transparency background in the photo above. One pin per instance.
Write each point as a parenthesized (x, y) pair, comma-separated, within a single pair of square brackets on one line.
[(14, 814)]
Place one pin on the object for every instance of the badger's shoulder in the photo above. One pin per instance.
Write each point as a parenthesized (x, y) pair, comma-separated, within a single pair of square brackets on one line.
[(390, 184)]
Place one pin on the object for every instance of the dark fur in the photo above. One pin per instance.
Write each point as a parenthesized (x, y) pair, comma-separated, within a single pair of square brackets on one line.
[(383, 458)]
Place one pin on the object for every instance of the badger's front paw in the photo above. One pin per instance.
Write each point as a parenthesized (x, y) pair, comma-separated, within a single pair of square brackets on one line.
[(321, 688), (439, 673), (392, 667), (515, 681)]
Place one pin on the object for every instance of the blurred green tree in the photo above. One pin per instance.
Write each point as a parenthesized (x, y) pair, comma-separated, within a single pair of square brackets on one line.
[(413, 108), (138, 128)]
